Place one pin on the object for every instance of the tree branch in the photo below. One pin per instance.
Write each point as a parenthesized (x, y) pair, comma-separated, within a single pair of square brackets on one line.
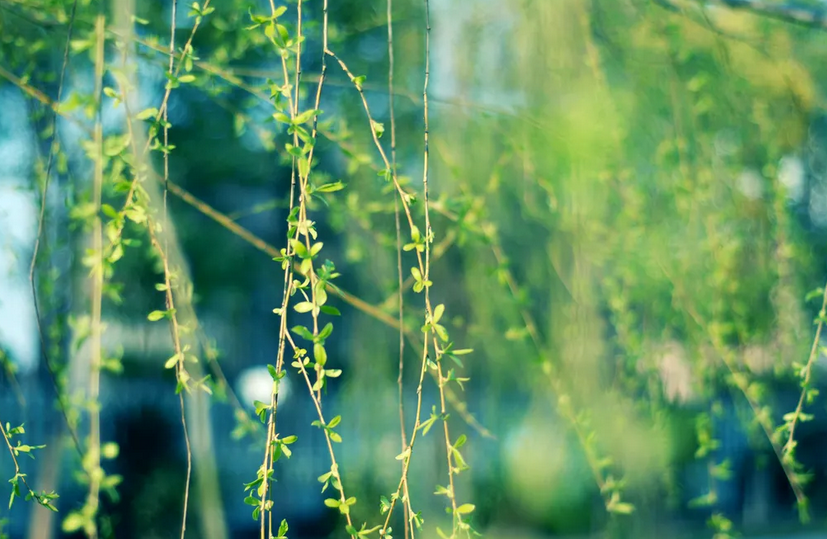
[(811, 16)]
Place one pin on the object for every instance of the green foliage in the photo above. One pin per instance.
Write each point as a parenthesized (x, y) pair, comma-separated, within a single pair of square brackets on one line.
[(627, 212)]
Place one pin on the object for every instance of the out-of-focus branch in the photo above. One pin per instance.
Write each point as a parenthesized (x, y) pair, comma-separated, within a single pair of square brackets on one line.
[(805, 15)]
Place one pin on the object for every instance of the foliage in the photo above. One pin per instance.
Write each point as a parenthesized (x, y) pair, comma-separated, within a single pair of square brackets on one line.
[(627, 214)]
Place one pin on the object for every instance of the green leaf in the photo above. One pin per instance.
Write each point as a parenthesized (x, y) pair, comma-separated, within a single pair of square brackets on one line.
[(333, 311), (812, 294), (321, 294), (320, 354), (303, 332), (333, 422), (303, 307), (440, 330), (109, 211), (261, 409), (326, 331), (299, 248), (73, 522), (154, 316), (305, 116), (330, 187), (466, 508), (621, 508), (304, 167), (171, 362), (293, 150), (438, 310), (332, 502)]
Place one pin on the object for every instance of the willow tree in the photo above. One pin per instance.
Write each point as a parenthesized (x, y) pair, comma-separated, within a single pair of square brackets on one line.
[(615, 205)]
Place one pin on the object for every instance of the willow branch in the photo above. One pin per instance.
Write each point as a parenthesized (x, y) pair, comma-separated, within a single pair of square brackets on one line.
[(805, 15)]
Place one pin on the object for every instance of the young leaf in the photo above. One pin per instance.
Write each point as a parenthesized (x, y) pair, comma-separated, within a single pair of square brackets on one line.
[(303, 307), (466, 508), (438, 310)]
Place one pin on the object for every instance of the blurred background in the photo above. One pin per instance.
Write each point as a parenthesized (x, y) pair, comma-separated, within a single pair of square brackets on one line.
[(629, 204)]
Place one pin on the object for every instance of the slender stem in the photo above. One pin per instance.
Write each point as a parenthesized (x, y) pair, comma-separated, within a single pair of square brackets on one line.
[(53, 149), (334, 467), (166, 123), (424, 267), (741, 382), (17, 471), (180, 371), (808, 370), (287, 290), (93, 449), (408, 529), (162, 110)]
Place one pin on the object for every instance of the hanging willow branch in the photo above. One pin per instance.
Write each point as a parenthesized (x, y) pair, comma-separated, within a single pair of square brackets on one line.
[(789, 12)]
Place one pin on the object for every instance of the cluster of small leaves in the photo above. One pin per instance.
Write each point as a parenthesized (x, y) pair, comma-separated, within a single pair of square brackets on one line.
[(610, 487), (179, 360), (319, 353), (259, 487), (18, 480), (84, 518), (43, 498)]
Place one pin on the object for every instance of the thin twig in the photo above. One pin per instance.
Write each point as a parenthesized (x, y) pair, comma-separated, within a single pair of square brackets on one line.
[(334, 467), (425, 267), (181, 375), (428, 239), (811, 16), (53, 148), (170, 301), (17, 471), (162, 110), (401, 297), (808, 371), (739, 379), (93, 449), (286, 293)]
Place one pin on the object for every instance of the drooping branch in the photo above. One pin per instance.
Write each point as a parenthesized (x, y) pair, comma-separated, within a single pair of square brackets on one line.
[(792, 12)]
